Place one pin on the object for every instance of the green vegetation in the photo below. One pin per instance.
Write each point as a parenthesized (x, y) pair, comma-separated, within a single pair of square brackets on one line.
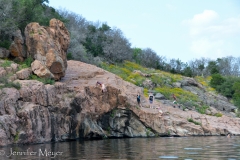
[(69, 56), (131, 72), (5, 44), (202, 109), (109, 130), (16, 137), (6, 63), (26, 63), (182, 95), (43, 80), (148, 131), (110, 46), (145, 92), (113, 113), (4, 83), (192, 121), (137, 107), (228, 86), (126, 71), (216, 80), (168, 132), (218, 114), (205, 82)]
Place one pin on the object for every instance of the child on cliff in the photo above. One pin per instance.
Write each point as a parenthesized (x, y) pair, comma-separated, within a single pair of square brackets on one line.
[(174, 97), (138, 100), (102, 86), (150, 98), (175, 101)]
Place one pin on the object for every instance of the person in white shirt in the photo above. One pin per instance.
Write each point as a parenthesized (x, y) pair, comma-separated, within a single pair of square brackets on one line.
[(103, 87)]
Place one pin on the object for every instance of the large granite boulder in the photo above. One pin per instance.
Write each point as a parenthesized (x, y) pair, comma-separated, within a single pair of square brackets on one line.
[(160, 96), (41, 70), (24, 73), (49, 45)]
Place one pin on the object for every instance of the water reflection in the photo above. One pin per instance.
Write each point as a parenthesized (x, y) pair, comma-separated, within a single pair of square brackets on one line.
[(187, 148)]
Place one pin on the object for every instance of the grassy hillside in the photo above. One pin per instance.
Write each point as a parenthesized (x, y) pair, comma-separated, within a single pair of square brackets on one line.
[(162, 82)]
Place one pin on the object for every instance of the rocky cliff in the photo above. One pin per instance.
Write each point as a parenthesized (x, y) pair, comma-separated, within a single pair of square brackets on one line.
[(47, 45), (75, 108)]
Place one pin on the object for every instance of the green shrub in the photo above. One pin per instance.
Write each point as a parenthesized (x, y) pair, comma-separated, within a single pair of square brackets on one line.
[(236, 95), (148, 131), (202, 109), (205, 82), (238, 114), (43, 80), (217, 80), (6, 63), (113, 113), (26, 63), (14, 85), (145, 92), (69, 56), (192, 121), (218, 114), (8, 84), (182, 95), (135, 78), (158, 79), (5, 44), (16, 137)]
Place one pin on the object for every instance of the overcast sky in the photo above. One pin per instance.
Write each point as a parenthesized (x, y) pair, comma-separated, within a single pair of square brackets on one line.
[(184, 29)]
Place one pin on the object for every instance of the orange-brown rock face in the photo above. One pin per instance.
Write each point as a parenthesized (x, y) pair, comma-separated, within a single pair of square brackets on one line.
[(49, 45)]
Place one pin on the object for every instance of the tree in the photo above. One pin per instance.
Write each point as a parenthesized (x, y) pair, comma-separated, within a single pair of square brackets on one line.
[(236, 96), (201, 68), (187, 72), (137, 55), (16, 14), (77, 26), (149, 58), (96, 38), (6, 21), (177, 66), (216, 80), (27, 11), (226, 88), (116, 47), (212, 67)]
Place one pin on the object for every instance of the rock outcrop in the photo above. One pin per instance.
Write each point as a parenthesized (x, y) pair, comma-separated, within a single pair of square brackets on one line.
[(75, 108), (41, 70), (208, 98), (17, 48), (49, 46), (24, 73)]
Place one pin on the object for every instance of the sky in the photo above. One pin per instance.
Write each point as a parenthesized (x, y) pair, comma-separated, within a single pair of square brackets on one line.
[(184, 29)]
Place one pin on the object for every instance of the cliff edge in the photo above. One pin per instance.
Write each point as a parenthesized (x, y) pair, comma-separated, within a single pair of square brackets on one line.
[(75, 108)]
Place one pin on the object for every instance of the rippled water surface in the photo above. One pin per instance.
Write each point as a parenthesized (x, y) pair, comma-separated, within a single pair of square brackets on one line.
[(187, 148)]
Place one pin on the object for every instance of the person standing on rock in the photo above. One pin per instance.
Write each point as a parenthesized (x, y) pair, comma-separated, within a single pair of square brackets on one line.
[(174, 97), (138, 99), (102, 86), (150, 98), (175, 101)]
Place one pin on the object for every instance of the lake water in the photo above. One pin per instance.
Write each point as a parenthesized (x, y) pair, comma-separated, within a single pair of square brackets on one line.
[(184, 148)]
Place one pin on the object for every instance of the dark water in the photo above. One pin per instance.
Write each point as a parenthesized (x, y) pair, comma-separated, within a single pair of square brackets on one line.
[(187, 148)]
